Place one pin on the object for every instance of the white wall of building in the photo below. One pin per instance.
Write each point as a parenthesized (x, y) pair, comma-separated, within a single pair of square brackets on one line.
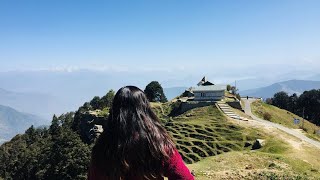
[(208, 95)]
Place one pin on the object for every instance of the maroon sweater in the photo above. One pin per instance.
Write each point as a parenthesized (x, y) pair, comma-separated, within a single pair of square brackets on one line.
[(174, 169)]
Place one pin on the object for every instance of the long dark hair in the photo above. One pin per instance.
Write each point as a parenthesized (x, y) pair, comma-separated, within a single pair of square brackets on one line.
[(133, 144)]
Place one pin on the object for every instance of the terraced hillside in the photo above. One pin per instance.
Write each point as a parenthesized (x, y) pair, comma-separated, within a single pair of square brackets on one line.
[(217, 148), (204, 132)]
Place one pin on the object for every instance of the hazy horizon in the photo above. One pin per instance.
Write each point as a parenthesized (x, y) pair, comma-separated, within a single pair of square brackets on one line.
[(226, 40), (77, 50)]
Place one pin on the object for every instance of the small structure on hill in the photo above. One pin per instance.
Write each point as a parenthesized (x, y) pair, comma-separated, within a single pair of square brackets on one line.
[(206, 91)]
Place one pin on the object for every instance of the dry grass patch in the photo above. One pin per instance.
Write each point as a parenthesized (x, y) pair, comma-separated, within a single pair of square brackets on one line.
[(252, 165), (284, 118)]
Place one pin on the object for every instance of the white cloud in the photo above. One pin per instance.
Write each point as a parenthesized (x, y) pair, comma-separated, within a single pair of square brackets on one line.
[(113, 68)]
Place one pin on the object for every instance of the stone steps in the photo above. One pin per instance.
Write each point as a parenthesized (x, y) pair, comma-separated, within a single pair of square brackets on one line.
[(226, 109)]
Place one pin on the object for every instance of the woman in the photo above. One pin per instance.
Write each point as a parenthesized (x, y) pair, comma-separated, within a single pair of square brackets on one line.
[(134, 145)]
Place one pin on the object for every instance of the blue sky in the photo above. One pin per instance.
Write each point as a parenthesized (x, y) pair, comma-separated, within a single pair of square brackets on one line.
[(159, 35)]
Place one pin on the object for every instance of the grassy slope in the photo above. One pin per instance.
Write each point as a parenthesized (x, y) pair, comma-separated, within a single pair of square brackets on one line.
[(214, 148), (276, 160), (252, 165), (204, 132), (284, 117)]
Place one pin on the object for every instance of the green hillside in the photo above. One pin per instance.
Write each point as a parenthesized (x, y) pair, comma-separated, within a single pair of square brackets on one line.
[(13, 122), (212, 145), (253, 165), (285, 118), (214, 148), (204, 132)]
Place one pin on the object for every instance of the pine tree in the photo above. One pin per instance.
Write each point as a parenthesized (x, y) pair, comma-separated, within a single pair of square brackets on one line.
[(107, 99), (154, 92)]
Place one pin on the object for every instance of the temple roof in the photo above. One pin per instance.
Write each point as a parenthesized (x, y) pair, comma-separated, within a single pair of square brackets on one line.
[(205, 82)]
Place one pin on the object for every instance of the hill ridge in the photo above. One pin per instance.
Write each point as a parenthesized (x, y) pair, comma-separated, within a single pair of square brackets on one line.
[(13, 122), (290, 86)]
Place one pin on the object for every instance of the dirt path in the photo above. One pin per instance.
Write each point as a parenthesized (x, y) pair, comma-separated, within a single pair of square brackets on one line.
[(266, 123)]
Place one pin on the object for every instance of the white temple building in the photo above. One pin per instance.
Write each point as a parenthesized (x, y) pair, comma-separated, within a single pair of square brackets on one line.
[(207, 91)]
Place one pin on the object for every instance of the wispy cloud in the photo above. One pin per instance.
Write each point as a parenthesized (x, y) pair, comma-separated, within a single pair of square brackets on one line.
[(109, 68)]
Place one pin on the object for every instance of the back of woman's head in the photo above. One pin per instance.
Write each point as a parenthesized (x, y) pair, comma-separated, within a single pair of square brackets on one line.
[(133, 142)]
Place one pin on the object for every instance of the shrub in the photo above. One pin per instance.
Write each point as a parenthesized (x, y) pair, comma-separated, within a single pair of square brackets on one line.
[(228, 87), (266, 116)]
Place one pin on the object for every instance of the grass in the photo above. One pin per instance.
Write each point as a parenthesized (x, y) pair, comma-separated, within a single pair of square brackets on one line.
[(274, 146), (104, 112), (229, 97), (204, 132), (252, 165), (284, 118), (213, 147)]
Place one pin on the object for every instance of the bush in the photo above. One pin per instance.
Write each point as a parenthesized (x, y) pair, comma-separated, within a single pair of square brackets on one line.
[(228, 87), (267, 116)]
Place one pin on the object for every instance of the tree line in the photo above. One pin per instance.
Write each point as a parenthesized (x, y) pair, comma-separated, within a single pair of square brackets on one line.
[(56, 152), (307, 105), (153, 91)]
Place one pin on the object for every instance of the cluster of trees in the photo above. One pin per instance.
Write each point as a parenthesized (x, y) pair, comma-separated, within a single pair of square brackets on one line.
[(58, 151), (306, 105), (101, 103), (154, 92)]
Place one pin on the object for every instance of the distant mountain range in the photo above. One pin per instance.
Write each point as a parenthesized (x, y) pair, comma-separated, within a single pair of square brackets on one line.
[(13, 122), (259, 82), (66, 91), (291, 86), (45, 93), (35, 103)]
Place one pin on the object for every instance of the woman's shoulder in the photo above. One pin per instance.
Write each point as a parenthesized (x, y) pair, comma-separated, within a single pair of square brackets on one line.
[(175, 168)]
